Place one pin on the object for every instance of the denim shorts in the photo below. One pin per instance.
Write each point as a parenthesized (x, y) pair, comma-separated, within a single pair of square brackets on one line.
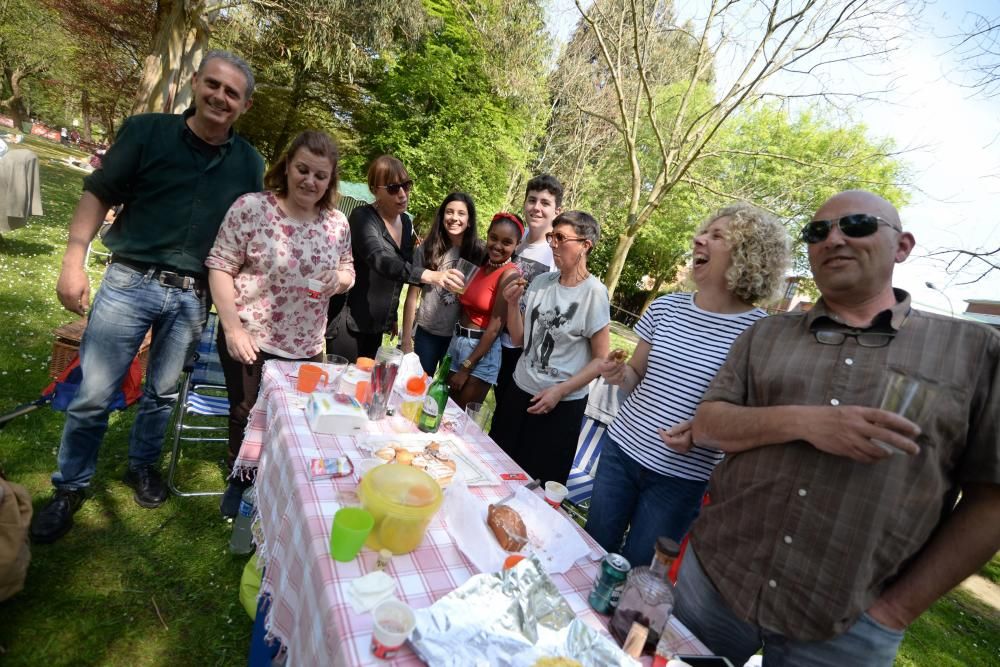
[(488, 367)]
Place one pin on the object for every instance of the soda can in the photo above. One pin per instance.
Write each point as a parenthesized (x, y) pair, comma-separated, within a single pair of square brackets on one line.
[(609, 583)]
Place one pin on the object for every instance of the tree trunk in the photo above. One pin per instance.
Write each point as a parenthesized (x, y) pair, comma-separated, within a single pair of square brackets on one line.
[(85, 110), (182, 34), (298, 94), (617, 263), (15, 103)]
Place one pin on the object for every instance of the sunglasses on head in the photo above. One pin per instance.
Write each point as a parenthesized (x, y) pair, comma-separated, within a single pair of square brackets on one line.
[(394, 188), (855, 226)]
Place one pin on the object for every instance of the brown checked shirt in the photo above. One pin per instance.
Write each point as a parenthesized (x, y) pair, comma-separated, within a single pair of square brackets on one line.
[(801, 542)]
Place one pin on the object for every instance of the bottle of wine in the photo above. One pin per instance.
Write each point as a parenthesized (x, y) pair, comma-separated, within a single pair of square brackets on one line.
[(436, 399)]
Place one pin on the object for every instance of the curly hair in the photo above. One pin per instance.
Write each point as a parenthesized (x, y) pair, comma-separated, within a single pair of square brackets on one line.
[(759, 248)]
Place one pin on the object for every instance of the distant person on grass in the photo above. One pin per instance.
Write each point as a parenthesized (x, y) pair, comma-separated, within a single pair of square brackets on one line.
[(177, 175)]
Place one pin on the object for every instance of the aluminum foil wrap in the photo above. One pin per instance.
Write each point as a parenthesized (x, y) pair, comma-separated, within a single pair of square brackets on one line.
[(510, 618)]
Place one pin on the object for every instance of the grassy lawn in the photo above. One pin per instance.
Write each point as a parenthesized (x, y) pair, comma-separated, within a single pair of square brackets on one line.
[(134, 587)]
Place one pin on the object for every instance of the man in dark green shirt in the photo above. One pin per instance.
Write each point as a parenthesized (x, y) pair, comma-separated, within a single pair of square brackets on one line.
[(176, 175)]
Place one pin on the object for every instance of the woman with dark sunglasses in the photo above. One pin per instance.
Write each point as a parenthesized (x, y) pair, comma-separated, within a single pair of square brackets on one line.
[(475, 347), (563, 323), (382, 245), (651, 478), (427, 329)]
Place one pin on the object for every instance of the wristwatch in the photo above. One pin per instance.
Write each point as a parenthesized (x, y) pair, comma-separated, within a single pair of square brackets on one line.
[(467, 364)]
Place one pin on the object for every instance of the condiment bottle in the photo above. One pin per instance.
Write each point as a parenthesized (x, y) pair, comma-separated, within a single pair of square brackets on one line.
[(648, 597), (436, 399), (413, 398)]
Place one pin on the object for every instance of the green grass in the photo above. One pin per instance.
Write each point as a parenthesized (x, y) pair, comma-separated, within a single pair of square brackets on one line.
[(92, 598)]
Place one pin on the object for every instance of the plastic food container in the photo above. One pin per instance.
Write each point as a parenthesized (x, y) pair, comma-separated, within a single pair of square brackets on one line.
[(350, 379), (403, 500)]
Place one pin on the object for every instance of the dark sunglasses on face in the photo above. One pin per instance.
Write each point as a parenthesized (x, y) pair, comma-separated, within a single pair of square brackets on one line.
[(558, 238), (865, 339), (394, 188), (855, 226)]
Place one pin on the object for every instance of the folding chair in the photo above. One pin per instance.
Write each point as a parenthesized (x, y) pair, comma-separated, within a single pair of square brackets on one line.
[(202, 394), (588, 451)]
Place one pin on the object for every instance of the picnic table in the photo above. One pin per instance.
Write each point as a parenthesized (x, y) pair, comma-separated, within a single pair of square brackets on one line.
[(309, 612)]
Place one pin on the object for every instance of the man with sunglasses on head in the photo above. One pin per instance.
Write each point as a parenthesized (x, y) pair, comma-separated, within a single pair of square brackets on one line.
[(834, 524)]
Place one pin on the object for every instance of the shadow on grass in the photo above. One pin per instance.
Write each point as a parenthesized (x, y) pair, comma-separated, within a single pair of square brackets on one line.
[(16, 247)]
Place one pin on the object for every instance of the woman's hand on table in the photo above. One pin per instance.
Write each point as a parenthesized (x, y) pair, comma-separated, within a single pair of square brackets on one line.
[(544, 401), (241, 345), (677, 437)]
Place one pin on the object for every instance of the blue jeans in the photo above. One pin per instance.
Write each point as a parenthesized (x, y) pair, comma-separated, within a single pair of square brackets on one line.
[(700, 607), (430, 348), (127, 304), (649, 504)]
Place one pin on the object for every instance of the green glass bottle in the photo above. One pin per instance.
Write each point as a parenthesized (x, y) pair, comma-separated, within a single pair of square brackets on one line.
[(436, 399)]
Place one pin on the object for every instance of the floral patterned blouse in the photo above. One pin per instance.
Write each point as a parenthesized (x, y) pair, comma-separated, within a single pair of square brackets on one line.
[(272, 257)]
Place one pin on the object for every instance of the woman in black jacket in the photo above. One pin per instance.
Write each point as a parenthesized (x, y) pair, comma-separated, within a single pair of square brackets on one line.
[(382, 245)]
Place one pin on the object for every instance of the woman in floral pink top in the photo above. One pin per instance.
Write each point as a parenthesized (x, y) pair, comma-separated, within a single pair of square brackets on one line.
[(270, 246)]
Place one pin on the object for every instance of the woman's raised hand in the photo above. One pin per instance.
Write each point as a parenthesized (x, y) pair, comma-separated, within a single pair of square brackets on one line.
[(451, 280)]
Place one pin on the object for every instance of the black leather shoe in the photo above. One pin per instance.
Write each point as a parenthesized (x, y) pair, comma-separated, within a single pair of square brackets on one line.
[(55, 519), (150, 491)]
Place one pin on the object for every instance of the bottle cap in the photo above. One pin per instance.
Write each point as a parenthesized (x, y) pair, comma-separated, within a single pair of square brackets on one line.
[(667, 546), (415, 385)]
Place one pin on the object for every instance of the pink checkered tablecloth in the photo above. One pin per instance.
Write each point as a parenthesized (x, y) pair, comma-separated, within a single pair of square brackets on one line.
[(309, 611)]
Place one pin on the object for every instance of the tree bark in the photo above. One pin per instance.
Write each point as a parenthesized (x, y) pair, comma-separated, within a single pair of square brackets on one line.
[(298, 94), (15, 103), (85, 110), (625, 241), (182, 34)]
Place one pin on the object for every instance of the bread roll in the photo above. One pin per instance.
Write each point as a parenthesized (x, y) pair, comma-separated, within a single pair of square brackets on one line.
[(508, 527), (386, 453)]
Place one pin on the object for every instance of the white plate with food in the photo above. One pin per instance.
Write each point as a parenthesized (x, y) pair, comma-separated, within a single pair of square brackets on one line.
[(444, 459)]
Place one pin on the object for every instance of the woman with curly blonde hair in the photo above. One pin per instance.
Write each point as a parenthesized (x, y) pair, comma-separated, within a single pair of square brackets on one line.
[(651, 477)]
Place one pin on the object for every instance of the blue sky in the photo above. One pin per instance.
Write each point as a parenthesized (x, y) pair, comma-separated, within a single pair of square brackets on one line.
[(952, 137)]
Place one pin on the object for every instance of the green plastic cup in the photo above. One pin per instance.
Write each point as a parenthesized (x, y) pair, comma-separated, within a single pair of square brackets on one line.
[(351, 526)]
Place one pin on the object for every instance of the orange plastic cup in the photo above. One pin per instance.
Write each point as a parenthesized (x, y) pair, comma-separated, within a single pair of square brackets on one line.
[(309, 377), (362, 391)]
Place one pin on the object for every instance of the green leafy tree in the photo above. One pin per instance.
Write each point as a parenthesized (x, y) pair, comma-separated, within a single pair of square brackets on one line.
[(461, 108)]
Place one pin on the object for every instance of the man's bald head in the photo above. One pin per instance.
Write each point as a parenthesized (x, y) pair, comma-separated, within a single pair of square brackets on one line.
[(860, 201)]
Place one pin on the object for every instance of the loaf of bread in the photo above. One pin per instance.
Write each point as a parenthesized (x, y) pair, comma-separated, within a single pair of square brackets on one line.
[(508, 527)]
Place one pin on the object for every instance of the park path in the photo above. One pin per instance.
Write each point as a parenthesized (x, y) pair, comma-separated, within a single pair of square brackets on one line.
[(984, 590)]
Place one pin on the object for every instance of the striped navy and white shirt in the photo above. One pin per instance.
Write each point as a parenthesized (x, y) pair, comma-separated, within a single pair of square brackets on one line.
[(687, 347)]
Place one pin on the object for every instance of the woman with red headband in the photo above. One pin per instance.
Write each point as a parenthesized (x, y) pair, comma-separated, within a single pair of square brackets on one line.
[(475, 347)]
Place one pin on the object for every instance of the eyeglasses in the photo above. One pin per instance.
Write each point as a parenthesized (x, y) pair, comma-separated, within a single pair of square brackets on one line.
[(864, 339), (855, 226), (394, 188), (558, 238)]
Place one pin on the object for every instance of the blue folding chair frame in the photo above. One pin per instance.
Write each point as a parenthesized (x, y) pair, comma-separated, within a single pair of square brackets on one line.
[(588, 452), (202, 394)]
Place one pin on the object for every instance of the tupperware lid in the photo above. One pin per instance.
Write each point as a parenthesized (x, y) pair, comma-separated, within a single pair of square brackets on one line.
[(404, 486)]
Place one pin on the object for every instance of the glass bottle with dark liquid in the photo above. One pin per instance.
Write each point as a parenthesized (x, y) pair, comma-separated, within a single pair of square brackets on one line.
[(648, 597)]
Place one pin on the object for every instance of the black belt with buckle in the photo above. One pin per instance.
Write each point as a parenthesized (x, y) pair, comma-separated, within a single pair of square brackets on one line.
[(164, 275), (474, 334)]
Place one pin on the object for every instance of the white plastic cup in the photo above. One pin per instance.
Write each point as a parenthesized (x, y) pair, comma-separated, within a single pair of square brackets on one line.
[(394, 621), (555, 493), (315, 288)]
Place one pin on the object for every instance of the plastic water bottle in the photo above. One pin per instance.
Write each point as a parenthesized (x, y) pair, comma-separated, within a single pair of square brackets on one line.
[(242, 540)]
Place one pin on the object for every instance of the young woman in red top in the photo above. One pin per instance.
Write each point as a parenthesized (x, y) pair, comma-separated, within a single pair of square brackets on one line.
[(475, 347)]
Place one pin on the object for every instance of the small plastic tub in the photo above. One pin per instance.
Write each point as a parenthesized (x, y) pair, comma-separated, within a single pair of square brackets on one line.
[(403, 500)]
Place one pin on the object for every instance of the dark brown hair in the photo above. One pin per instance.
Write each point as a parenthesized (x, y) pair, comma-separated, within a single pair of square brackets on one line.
[(385, 169), (319, 144)]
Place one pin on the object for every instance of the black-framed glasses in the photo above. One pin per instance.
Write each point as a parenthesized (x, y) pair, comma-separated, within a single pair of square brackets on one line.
[(394, 188), (856, 226), (864, 339), (558, 238)]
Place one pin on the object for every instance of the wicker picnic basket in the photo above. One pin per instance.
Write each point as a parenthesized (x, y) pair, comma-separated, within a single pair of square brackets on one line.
[(67, 344)]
